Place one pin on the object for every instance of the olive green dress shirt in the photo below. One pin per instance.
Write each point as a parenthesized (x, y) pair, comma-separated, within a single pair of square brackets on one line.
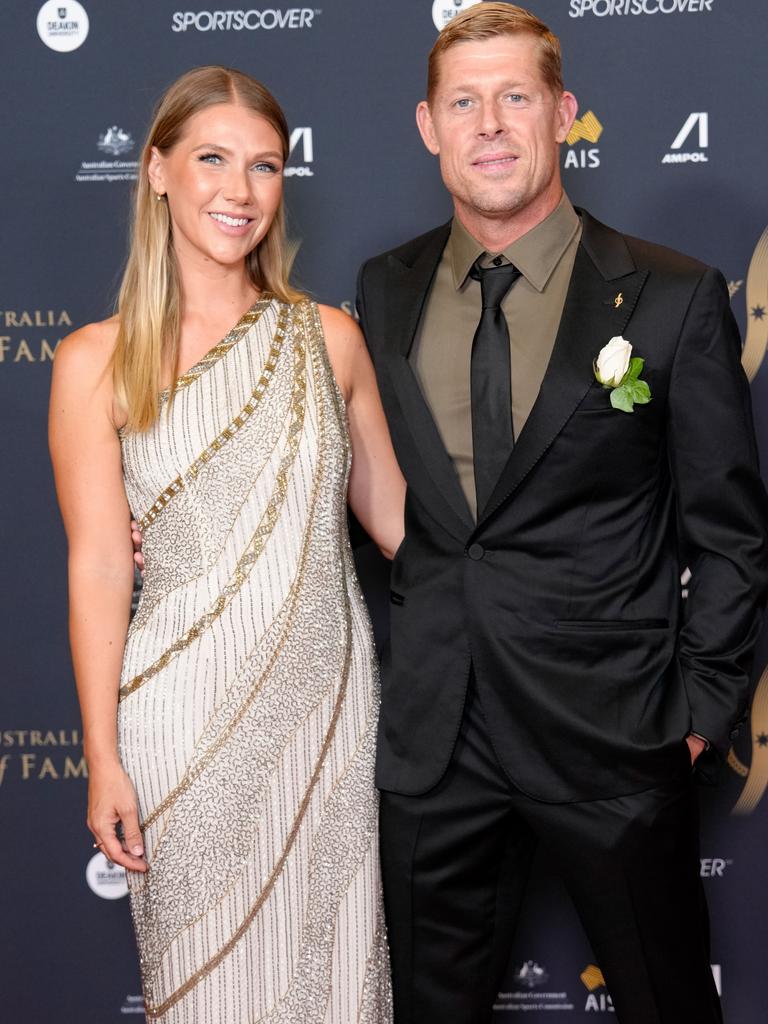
[(442, 348)]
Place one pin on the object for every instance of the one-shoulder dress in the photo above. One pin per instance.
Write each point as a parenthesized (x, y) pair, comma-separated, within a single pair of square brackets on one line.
[(249, 695)]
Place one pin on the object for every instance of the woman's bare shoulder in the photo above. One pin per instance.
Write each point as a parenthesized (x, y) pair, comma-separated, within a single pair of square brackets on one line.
[(89, 349), (345, 344)]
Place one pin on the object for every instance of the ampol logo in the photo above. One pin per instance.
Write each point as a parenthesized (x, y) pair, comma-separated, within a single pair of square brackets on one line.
[(301, 137), (698, 120)]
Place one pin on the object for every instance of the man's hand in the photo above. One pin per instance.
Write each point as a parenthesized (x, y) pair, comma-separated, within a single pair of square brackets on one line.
[(696, 744), (137, 542)]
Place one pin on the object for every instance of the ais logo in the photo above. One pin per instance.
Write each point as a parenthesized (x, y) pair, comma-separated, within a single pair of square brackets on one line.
[(598, 1000), (585, 129)]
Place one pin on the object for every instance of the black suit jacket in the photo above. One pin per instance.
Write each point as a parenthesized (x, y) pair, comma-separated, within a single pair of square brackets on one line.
[(565, 595)]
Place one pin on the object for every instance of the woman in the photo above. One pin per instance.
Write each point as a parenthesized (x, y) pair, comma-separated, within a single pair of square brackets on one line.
[(229, 731)]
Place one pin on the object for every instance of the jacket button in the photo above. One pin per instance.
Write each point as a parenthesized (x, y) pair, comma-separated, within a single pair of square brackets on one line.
[(475, 552)]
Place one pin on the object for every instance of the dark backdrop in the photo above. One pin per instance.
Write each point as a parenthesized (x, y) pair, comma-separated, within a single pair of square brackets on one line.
[(675, 150)]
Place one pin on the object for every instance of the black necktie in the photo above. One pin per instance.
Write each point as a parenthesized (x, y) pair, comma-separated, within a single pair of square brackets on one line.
[(492, 434)]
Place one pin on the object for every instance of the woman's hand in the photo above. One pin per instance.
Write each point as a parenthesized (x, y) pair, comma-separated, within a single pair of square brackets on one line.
[(112, 800), (137, 540)]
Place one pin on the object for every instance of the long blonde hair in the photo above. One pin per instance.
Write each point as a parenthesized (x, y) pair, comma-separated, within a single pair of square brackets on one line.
[(149, 303)]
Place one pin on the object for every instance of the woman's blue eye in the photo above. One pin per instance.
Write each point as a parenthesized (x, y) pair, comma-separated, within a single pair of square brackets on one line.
[(210, 157)]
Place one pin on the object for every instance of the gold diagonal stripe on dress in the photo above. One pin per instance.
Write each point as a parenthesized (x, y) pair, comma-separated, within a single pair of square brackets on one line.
[(241, 328), (177, 485), (155, 1011), (255, 547), (290, 607), (211, 965)]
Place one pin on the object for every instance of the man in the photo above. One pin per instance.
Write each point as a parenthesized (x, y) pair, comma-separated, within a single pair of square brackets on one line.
[(543, 683)]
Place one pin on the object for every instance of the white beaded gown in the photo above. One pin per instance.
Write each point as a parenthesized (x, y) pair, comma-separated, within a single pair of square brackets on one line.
[(249, 695)]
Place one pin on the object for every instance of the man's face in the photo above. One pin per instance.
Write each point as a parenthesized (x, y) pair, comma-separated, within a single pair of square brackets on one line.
[(496, 126)]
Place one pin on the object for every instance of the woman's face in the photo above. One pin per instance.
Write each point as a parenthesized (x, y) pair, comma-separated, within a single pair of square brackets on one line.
[(223, 181)]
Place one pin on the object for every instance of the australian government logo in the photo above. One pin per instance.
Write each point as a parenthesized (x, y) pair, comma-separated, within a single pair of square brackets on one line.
[(530, 991), (613, 8), (113, 142), (755, 774), (580, 154), (62, 27), (252, 20)]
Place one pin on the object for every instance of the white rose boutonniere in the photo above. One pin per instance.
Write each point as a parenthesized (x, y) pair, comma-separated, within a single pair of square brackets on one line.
[(617, 370)]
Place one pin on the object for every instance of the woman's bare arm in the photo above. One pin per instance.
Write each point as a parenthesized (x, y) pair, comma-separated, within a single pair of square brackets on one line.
[(85, 451), (376, 485)]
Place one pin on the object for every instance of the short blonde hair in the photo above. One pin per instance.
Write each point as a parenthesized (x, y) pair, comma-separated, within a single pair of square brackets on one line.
[(488, 20)]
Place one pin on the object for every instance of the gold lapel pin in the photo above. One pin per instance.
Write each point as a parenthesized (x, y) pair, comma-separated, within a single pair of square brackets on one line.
[(618, 300)]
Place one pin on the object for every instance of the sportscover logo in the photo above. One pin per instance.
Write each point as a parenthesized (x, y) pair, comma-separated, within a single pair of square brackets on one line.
[(698, 121), (267, 18), (609, 8)]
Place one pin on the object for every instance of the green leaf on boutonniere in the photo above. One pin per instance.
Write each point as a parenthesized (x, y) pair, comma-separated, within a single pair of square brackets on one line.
[(640, 392), (622, 399), (632, 390), (636, 365)]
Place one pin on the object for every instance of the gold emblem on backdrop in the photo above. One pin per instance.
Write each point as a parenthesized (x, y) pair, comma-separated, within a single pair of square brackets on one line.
[(755, 345), (587, 128), (592, 977)]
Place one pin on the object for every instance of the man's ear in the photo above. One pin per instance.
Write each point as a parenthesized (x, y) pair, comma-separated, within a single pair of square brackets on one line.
[(155, 171), (567, 108), (427, 128)]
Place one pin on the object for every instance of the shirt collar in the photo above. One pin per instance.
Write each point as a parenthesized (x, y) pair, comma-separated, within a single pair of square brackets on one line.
[(535, 254)]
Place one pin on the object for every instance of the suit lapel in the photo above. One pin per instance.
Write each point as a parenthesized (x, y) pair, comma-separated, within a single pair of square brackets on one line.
[(592, 315), (410, 283)]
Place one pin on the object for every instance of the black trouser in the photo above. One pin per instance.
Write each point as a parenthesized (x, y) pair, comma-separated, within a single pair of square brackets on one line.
[(456, 860)]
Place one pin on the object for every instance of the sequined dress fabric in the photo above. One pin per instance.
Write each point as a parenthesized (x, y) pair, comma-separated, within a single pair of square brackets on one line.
[(249, 694)]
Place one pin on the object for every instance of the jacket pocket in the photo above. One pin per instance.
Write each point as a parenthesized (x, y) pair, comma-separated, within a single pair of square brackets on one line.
[(611, 625)]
